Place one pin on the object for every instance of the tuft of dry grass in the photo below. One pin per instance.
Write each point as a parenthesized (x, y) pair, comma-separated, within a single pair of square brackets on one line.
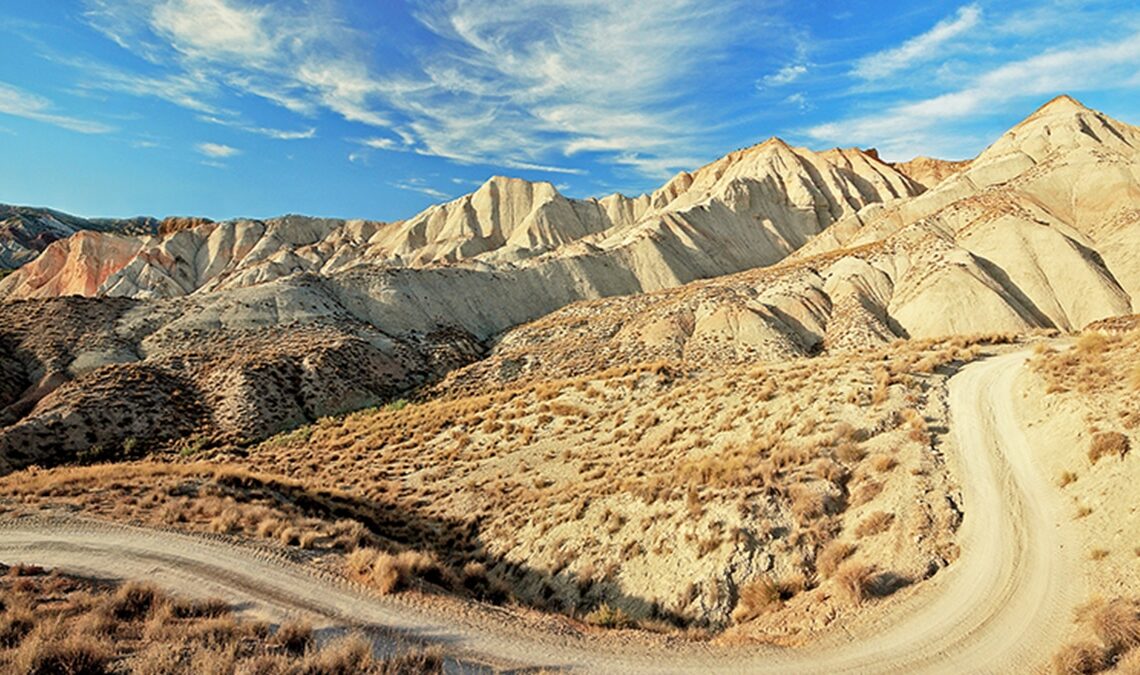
[(1117, 624), (68, 626), (757, 597), (391, 573), (855, 581), (876, 523), (832, 556), (606, 616), (1080, 659), (295, 637), (1108, 444)]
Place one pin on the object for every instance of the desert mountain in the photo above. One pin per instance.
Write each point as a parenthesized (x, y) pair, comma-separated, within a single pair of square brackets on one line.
[(750, 208), (245, 317), (1038, 231), (25, 232)]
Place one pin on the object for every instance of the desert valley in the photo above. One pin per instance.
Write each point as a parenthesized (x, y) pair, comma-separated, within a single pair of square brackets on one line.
[(793, 411)]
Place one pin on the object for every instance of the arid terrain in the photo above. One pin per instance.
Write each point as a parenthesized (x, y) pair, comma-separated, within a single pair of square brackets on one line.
[(793, 411)]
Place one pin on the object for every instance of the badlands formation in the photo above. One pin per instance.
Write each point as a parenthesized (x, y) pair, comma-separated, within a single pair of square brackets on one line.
[(719, 407), (1037, 232)]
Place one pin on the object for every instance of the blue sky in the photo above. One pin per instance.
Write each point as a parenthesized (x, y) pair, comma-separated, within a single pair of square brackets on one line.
[(377, 108)]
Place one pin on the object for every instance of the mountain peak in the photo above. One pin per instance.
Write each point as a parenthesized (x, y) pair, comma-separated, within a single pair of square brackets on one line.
[(1060, 104)]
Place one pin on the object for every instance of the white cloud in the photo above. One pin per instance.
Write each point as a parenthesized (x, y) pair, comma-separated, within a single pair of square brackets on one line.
[(514, 82), (276, 134), (217, 150), (301, 57), (909, 128), (418, 185), (283, 135), (20, 103), (380, 143), (786, 75), (798, 100), (920, 49), (207, 29)]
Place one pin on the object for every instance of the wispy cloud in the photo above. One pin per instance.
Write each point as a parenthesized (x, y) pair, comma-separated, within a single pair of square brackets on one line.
[(419, 185), (919, 126), (920, 49), (19, 103), (217, 150), (276, 134), (301, 57), (515, 85), (786, 75), (380, 143), (520, 84)]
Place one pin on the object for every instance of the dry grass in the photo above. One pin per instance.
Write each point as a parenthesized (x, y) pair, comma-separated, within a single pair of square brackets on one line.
[(832, 556), (59, 625), (1108, 444), (511, 490), (855, 581), (606, 616), (756, 598), (1115, 625), (1079, 659)]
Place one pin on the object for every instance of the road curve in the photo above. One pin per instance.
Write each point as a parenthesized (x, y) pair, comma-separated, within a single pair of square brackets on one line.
[(1002, 607)]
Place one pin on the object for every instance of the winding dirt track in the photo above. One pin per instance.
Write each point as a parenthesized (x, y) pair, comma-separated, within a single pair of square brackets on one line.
[(1002, 607)]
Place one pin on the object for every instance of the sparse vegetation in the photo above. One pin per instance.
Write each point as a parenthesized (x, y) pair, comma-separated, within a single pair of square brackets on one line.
[(1108, 444), (52, 624), (504, 491), (1113, 627)]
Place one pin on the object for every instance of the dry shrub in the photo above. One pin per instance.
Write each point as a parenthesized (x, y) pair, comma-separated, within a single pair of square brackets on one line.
[(849, 452), (391, 573), (347, 655), (1079, 659), (24, 570), (875, 523), (45, 654), (1107, 444), (359, 562), (609, 617), (883, 462), (182, 608), (218, 631), (134, 601), (1117, 624), (294, 636), (832, 556), (214, 660), (15, 624), (416, 662), (158, 659), (807, 503), (1092, 343), (756, 597), (855, 580)]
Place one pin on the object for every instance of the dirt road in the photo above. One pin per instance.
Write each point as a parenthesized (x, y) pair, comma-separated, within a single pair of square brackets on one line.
[(1001, 607)]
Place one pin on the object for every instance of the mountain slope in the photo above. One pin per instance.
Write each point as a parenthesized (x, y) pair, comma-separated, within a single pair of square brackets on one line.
[(1037, 232), (25, 232), (750, 208)]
